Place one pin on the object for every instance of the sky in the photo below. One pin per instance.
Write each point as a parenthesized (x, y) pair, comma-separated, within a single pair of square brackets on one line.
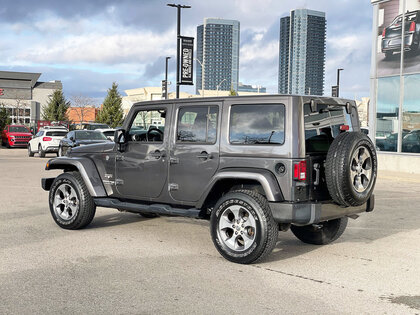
[(88, 44)]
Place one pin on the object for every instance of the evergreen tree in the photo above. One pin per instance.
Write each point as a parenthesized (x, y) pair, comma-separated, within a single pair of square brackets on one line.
[(56, 109), (4, 117), (111, 112)]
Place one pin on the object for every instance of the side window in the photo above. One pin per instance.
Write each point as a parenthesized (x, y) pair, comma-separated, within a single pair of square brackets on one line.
[(257, 124), (197, 124), (39, 134), (148, 126)]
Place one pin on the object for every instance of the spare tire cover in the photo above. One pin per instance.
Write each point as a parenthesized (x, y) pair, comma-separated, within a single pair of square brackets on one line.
[(351, 169)]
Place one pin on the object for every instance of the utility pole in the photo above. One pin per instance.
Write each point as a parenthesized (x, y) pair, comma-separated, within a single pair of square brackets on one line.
[(166, 77), (178, 37), (338, 81)]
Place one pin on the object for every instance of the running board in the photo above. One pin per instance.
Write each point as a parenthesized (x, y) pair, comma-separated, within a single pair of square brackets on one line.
[(153, 208)]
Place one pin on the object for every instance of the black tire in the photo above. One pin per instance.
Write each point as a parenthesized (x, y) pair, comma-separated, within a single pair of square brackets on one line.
[(322, 233), (30, 153), (339, 169), (41, 152), (266, 229), (86, 207), (148, 215)]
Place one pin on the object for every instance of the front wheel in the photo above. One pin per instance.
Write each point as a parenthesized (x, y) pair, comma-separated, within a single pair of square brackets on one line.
[(71, 205), (321, 233), (30, 153), (242, 227)]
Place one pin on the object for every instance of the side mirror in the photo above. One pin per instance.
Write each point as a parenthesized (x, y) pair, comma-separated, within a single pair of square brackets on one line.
[(120, 138)]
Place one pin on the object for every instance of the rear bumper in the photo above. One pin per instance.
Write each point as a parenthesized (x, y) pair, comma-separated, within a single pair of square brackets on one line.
[(51, 149), (394, 44), (309, 213)]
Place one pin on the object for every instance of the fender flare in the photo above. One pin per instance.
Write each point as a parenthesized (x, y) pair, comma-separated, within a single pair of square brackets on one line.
[(266, 179), (87, 170)]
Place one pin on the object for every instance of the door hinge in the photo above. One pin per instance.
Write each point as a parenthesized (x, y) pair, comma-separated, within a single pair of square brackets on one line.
[(119, 158), (173, 186), (119, 182), (173, 160)]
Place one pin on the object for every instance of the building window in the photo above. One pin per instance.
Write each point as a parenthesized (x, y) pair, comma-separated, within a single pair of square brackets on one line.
[(387, 114), (411, 115)]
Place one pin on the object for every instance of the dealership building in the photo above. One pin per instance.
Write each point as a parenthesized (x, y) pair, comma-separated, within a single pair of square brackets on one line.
[(24, 96), (395, 84)]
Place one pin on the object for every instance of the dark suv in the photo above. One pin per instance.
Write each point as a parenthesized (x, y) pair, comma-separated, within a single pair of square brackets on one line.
[(251, 165)]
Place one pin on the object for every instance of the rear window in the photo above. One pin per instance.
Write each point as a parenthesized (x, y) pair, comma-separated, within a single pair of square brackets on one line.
[(322, 126), (89, 135), (56, 133), (257, 124)]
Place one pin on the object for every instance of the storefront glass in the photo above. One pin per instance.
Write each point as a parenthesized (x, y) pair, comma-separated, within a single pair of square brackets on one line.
[(387, 113), (411, 114)]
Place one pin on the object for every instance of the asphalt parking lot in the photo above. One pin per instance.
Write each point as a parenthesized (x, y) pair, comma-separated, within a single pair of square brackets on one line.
[(125, 264)]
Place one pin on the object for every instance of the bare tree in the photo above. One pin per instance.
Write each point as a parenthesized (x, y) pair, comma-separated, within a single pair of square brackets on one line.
[(82, 105), (20, 106)]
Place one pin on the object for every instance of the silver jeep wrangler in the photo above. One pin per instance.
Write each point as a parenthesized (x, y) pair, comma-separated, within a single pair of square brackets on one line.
[(251, 165)]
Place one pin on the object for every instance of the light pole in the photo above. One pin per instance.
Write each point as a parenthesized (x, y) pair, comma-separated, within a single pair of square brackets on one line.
[(217, 87), (178, 37), (166, 77), (338, 81), (202, 76)]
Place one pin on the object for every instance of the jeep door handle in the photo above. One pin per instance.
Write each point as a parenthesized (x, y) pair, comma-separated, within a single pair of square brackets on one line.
[(157, 154), (205, 156)]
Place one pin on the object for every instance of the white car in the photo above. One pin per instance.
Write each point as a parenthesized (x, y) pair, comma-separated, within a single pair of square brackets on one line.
[(109, 133), (45, 141)]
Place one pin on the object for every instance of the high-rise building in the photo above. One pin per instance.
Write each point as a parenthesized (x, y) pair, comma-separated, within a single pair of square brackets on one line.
[(302, 53), (218, 55)]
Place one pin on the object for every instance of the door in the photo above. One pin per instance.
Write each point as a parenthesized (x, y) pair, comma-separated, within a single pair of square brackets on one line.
[(195, 152), (142, 168)]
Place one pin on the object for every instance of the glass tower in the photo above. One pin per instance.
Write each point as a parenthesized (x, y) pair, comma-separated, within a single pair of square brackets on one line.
[(302, 53), (218, 53)]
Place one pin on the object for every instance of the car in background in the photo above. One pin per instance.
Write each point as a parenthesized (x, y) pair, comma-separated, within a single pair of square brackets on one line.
[(77, 138), (46, 140), (15, 136), (91, 126), (391, 35), (109, 133), (411, 142)]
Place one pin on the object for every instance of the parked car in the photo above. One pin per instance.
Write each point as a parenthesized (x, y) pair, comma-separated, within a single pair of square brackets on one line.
[(46, 140), (250, 165), (109, 133), (391, 35), (91, 126), (15, 136), (411, 142), (77, 138)]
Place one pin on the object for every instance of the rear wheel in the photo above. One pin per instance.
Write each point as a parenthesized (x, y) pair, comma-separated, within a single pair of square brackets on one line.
[(41, 152), (321, 233), (242, 227), (30, 153), (71, 205)]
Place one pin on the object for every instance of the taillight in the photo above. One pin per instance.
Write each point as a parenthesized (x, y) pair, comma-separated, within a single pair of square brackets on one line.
[(344, 127), (46, 139), (412, 27), (383, 32), (299, 170)]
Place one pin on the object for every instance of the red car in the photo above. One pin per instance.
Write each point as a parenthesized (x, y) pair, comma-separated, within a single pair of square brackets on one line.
[(15, 136)]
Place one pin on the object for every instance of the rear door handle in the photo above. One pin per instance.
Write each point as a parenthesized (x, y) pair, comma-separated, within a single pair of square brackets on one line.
[(205, 156)]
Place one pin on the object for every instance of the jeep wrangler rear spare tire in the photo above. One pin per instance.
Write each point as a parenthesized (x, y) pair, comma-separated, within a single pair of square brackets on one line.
[(351, 169), (71, 204), (242, 227)]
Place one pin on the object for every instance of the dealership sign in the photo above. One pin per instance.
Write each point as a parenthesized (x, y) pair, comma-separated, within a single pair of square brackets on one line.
[(187, 56)]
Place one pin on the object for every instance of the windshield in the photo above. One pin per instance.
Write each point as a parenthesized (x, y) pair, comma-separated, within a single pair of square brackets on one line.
[(18, 129), (89, 135)]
